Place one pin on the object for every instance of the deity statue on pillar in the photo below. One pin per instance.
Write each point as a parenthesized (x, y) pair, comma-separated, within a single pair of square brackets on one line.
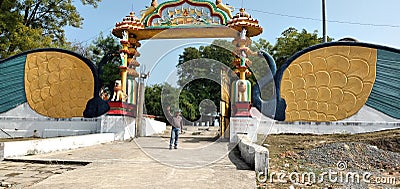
[(241, 89), (125, 92)]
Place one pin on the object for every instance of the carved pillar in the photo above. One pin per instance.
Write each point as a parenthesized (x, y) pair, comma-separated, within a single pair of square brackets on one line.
[(124, 61), (241, 89), (125, 30), (132, 73)]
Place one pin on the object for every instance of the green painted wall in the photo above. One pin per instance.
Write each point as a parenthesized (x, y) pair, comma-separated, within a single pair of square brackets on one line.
[(385, 95), (12, 89)]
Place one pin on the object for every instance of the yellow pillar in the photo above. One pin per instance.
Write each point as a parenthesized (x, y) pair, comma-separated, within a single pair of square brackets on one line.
[(123, 68), (242, 75), (241, 89)]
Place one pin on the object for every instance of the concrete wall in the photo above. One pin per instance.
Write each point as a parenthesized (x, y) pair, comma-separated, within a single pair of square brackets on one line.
[(243, 125), (360, 123), (123, 127), (24, 122), (254, 155), (324, 128), (39, 146), (46, 128), (152, 127)]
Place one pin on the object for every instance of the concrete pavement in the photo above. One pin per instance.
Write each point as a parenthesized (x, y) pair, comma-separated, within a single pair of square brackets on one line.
[(148, 163), (22, 174)]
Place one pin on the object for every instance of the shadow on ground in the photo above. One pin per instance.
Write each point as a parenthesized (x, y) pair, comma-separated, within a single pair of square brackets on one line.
[(201, 139), (235, 157)]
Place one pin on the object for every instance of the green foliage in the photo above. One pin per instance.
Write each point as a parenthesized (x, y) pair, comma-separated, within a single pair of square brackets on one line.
[(110, 74), (99, 48), (195, 91), (28, 24), (188, 105), (263, 45), (170, 97), (153, 100), (103, 45), (21, 39), (292, 41)]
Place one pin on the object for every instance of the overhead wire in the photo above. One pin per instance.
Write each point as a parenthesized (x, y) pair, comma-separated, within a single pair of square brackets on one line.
[(331, 21), (283, 15)]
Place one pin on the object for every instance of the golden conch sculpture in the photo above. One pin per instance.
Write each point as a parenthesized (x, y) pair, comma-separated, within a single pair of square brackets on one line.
[(56, 83), (333, 81)]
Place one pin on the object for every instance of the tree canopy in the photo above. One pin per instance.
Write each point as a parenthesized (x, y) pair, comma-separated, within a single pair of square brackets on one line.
[(292, 41), (197, 91), (105, 46), (29, 24), (153, 99)]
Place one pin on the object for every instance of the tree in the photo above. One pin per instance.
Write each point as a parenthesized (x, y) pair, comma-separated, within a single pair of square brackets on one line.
[(14, 35), (196, 90), (103, 45), (27, 24), (100, 47), (153, 100), (292, 41), (153, 103), (263, 45)]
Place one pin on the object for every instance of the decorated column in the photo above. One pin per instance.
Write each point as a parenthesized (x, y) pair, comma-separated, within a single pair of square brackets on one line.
[(125, 93), (124, 63), (241, 89), (132, 73)]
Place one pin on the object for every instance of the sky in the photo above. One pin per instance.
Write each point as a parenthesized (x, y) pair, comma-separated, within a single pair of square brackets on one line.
[(368, 21)]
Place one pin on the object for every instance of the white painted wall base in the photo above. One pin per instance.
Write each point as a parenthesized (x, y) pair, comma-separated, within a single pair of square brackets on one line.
[(40, 146), (243, 125), (24, 122), (260, 124), (152, 127), (353, 125), (254, 155), (123, 126)]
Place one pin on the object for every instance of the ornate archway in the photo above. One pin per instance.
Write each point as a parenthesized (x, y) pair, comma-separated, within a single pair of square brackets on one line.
[(189, 19)]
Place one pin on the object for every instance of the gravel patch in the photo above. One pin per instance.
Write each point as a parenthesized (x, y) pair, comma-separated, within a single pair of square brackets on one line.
[(355, 155)]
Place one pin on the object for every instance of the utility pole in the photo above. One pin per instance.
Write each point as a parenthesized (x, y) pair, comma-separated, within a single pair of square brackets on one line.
[(140, 104), (324, 21)]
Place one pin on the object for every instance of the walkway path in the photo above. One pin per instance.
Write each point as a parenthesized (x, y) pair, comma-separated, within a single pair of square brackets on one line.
[(148, 163)]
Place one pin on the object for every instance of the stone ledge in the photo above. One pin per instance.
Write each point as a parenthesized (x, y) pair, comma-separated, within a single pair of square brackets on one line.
[(41, 146), (253, 154)]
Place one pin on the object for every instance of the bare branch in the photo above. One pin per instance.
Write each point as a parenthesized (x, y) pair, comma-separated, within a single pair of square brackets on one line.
[(27, 22)]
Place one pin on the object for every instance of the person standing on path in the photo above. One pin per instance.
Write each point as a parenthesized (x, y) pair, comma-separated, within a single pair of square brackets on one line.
[(177, 127)]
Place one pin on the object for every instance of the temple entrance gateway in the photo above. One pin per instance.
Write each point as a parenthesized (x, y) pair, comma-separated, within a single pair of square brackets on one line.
[(179, 19), (327, 82)]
